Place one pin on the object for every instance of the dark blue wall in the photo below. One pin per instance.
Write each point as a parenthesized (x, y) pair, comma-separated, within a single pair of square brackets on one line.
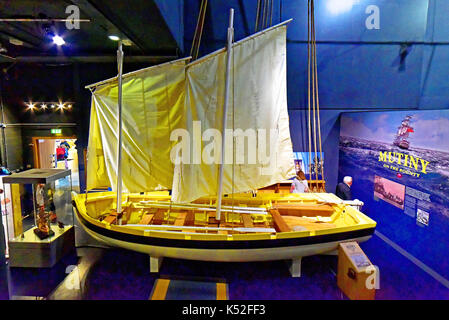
[(358, 69)]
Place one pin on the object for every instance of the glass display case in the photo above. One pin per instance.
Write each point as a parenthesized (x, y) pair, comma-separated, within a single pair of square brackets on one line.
[(40, 219)]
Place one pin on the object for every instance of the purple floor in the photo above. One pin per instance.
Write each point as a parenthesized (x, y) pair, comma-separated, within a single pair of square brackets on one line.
[(121, 274)]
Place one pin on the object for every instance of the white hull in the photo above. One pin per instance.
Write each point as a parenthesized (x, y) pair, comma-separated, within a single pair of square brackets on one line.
[(224, 255)]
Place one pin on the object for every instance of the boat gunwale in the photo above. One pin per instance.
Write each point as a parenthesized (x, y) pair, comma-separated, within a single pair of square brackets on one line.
[(367, 223), (200, 243)]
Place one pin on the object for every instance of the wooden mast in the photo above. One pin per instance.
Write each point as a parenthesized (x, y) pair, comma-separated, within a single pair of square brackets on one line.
[(225, 109)]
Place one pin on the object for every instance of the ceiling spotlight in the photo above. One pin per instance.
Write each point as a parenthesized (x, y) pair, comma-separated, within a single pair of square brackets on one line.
[(69, 106), (60, 106), (114, 37), (43, 106), (30, 106), (59, 41), (52, 106)]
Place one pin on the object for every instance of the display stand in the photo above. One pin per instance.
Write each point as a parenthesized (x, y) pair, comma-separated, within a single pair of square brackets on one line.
[(155, 264), (355, 272), (295, 267), (42, 217), (32, 252)]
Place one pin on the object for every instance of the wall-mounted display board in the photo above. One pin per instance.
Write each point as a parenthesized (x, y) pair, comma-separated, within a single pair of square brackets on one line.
[(400, 165)]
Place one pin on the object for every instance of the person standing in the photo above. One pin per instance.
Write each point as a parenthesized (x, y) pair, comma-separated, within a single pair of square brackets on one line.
[(299, 184), (343, 190)]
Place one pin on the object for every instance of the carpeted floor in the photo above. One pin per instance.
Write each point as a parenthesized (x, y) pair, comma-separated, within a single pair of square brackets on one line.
[(121, 274)]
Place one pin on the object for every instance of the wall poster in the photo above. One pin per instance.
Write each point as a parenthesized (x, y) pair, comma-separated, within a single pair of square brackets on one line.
[(399, 162)]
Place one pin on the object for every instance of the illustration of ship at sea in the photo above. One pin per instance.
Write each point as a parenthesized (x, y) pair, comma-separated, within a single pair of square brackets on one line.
[(197, 210), (403, 133)]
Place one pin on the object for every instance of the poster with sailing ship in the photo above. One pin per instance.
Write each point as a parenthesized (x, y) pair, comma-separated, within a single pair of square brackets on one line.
[(399, 162)]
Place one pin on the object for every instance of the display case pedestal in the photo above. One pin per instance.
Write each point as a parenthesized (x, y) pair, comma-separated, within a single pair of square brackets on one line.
[(31, 252)]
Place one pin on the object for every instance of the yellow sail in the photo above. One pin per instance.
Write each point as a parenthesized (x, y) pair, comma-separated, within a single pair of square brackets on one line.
[(257, 112), (153, 106)]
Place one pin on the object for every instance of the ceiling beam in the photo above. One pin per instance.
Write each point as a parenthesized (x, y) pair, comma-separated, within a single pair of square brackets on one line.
[(92, 59), (6, 58), (27, 43)]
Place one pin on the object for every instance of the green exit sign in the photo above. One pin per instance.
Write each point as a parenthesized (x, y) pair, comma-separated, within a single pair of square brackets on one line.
[(55, 131)]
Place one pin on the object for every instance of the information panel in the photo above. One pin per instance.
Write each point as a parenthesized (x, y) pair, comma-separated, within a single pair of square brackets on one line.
[(399, 162)]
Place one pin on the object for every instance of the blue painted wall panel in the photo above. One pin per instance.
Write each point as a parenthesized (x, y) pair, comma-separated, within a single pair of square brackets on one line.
[(357, 76), (399, 20), (173, 13)]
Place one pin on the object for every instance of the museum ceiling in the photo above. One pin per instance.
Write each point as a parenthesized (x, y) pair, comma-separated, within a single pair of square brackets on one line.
[(27, 29)]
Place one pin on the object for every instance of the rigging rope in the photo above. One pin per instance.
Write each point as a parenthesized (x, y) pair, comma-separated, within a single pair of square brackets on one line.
[(264, 14), (308, 91), (257, 15), (314, 133), (318, 105), (198, 30)]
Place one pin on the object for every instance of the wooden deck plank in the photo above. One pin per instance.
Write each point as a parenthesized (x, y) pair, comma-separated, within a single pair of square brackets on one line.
[(190, 219), (180, 219), (247, 221), (279, 224), (158, 217)]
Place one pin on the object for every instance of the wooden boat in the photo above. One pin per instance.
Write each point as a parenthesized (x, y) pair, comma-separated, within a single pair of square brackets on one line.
[(210, 213), (265, 227)]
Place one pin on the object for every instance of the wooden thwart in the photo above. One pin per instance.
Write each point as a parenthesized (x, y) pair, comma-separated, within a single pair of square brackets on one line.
[(300, 210), (292, 221), (146, 219), (279, 223), (111, 218)]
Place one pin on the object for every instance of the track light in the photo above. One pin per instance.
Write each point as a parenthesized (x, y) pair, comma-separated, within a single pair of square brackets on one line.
[(59, 41), (55, 106), (114, 37)]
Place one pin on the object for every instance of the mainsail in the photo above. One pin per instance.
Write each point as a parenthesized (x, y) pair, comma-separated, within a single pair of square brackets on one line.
[(153, 106), (161, 99), (257, 109)]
